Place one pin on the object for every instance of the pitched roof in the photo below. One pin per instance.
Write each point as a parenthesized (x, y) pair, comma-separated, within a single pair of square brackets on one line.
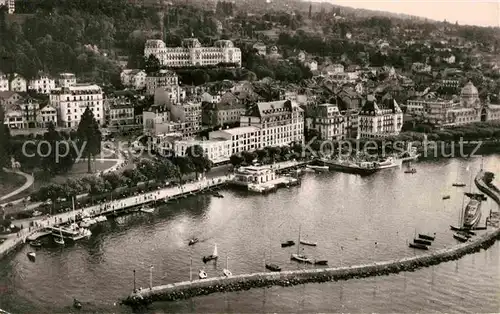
[(263, 109), (7, 94), (372, 107)]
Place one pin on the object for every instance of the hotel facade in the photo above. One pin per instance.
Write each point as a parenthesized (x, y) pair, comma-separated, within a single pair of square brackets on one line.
[(71, 102), (192, 53)]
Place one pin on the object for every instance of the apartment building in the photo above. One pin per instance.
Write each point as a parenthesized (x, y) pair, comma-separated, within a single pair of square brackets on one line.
[(72, 101), (380, 119), (281, 122)]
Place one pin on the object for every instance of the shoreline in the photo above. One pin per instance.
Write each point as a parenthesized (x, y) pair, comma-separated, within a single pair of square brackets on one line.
[(117, 206), (188, 289)]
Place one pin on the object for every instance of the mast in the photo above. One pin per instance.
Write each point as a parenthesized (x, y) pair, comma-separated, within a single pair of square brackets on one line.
[(190, 269), (227, 257), (460, 221), (298, 244), (73, 205)]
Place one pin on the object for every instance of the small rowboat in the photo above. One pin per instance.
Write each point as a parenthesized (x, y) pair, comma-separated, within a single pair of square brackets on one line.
[(288, 243), (273, 267), (308, 243), (202, 274)]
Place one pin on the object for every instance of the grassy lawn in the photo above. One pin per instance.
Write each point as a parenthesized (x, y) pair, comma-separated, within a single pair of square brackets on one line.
[(9, 182), (79, 171)]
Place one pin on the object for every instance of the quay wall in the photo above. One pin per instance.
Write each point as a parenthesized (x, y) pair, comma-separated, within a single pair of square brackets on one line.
[(188, 289), (14, 242), (116, 206)]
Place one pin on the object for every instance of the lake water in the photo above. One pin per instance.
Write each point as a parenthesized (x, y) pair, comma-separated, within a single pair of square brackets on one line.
[(353, 219)]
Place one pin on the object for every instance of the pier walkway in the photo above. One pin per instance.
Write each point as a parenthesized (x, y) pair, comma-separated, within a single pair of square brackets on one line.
[(188, 289)]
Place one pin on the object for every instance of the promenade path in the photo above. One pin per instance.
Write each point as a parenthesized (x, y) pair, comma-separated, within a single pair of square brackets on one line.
[(104, 208), (29, 182)]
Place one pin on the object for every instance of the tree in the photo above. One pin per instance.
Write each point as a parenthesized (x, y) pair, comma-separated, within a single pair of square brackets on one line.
[(248, 157), (199, 159), (152, 64), (4, 142), (184, 165), (89, 137), (236, 160)]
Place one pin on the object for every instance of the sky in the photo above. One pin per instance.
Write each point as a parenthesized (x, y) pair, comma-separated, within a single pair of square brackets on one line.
[(471, 12)]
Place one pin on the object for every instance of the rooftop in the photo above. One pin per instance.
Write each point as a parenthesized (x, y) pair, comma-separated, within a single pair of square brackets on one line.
[(242, 130)]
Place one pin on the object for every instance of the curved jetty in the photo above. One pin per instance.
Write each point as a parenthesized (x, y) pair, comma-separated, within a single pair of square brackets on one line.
[(188, 289)]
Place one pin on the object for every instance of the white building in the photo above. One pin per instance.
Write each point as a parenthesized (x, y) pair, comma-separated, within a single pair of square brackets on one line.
[(14, 117), (191, 53), (4, 82), (42, 84), (47, 115), (66, 80), (247, 138), (328, 121), (380, 119), (162, 78), (18, 83), (10, 4), (217, 150), (213, 99), (134, 78), (172, 94), (72, 101), (281, 122)]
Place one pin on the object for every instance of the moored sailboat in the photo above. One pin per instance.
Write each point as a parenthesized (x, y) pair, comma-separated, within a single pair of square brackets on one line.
[(301, 258), (226, 270), (202, 274), (214, 255)]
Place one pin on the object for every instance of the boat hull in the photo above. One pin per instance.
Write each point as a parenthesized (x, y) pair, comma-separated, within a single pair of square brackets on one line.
[(300, 259), (308, 243), (207, 259), (273, 267), (350, 169), (418, 246), (426, 237), (472, 223)]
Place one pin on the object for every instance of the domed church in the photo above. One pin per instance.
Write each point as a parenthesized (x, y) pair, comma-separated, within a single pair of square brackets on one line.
[(471, 109)]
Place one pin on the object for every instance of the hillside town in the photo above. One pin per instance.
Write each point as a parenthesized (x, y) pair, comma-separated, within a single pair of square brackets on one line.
[(143, 141)]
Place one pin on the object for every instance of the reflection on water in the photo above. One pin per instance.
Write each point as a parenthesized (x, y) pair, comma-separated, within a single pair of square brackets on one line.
[(345, 214)]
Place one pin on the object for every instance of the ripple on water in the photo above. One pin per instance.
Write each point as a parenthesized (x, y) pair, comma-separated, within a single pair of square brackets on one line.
[(334, 209)]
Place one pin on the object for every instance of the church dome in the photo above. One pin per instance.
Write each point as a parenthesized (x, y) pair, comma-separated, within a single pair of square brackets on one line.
[(469, 91)]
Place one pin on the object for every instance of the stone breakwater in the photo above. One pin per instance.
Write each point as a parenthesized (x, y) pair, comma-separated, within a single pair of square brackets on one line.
[(188, 289), (483, 186)]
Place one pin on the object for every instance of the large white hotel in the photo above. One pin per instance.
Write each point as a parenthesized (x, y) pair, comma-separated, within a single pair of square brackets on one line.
[(192, 53), (276, 123), (70, 103)]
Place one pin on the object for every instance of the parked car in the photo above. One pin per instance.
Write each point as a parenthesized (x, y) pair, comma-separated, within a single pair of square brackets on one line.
[(36, 213)]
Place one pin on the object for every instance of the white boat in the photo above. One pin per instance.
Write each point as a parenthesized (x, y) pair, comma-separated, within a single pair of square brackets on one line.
[(147, 209), (101, 218), (87, 222), (301, 258), (202, 274), (226, 270), (59, 240), (305, 242), (318, 168), (32, 255), (390, 162)]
